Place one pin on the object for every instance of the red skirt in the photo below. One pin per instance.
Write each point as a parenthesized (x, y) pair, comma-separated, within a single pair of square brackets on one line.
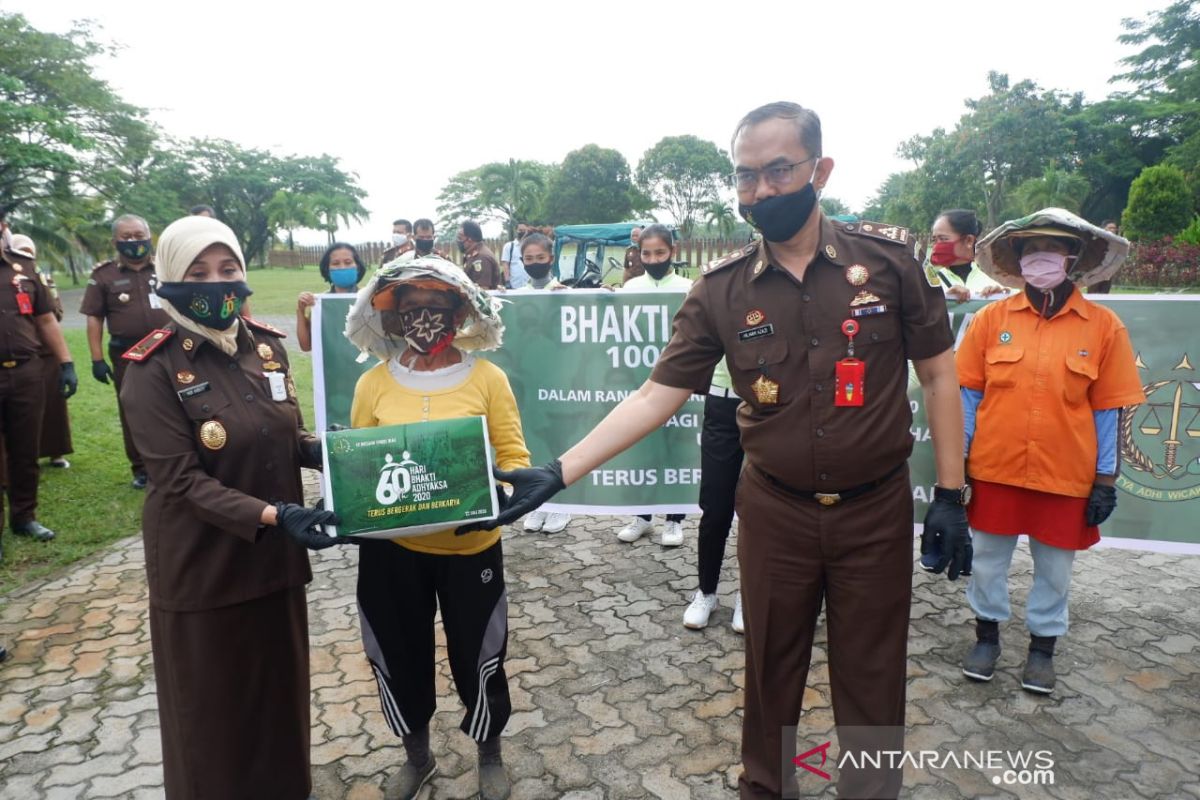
[(1053, 519)]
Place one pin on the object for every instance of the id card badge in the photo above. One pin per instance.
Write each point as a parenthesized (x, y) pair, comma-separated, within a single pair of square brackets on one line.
[(278, 386), (24, 304), (154, 301), (850, 376)]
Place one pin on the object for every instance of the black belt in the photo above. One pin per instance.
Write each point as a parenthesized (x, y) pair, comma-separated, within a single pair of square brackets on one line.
[(833, 498), (9, 363)]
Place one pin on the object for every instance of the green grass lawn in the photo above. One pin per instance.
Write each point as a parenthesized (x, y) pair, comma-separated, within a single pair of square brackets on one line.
[(275, 289), (92, 504)]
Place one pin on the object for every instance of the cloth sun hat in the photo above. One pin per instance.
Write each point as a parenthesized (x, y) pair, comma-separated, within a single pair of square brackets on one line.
[(178, 246), (481, 329), (1098, 253)]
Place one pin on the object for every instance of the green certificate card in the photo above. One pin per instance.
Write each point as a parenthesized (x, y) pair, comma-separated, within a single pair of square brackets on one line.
[(408, 480)]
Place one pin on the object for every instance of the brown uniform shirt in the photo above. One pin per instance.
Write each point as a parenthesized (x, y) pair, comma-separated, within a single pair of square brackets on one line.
[(483, 268), (217, 447), (121, 295), (789, 332), (19, 336), (633, 263)]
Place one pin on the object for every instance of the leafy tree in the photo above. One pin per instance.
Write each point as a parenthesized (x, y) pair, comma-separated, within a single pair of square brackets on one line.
[(1056, 188), (289, 210), (592, 185), (1168, 66), (718, 214), (513, 190), (682, 174), (1160, 204), (460, 199), (833, 207)]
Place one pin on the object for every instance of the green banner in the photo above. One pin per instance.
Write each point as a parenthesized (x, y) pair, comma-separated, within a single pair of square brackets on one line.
[(571, 356), (405, 480)]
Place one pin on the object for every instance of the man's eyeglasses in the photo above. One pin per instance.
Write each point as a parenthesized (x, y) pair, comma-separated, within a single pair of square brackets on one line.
[(778, 175)]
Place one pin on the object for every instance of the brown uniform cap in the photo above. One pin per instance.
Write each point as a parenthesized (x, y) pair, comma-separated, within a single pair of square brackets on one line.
[(789, 334)]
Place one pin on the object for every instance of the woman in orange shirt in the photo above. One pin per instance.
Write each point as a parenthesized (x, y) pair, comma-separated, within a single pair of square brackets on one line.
[(1044, 375)]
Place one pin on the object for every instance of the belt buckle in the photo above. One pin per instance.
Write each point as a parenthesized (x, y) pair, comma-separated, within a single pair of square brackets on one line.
[(827, 498), (8, 364)]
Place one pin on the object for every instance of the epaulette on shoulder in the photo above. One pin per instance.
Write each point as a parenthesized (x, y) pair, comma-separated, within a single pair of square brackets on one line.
[(895, 234), (731, 258), (264, 327), (102, 264), (143, 349)]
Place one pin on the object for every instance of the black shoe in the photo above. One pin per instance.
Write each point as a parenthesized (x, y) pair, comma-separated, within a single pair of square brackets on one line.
[(980, 663), (493, 777), (1039, 666), (140, 480), (406, 782), (3, 653), (35, 530)]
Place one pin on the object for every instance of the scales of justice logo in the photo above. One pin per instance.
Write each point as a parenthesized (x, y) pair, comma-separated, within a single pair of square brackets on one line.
[(1160, 439), (396, 479)]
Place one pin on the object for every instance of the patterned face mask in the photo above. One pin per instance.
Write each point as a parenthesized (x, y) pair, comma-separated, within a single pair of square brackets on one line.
[(427, 329), (214, 305)]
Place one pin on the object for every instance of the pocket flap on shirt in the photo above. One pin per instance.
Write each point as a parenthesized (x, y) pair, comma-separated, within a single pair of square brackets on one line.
[(757, 353), (1083, 366), (1004, 355)]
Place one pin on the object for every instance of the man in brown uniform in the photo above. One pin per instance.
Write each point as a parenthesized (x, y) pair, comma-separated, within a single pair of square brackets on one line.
[(824, 501), (479, 262), (122, 292), (26, 324), (633, 257)]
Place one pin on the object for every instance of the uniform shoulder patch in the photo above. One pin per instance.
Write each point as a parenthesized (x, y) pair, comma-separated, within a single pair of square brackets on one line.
[(102, 265), (264, 327), (895, 234), (142, 350), (732, 258)]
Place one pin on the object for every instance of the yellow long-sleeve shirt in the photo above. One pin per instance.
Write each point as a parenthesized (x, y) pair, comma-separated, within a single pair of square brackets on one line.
[(484, 390)]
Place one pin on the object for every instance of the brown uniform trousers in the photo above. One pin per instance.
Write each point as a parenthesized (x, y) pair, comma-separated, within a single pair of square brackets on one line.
[(56, 422)]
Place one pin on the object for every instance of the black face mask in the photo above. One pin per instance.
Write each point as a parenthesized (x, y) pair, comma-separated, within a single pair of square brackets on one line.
[(462, 246), (134, 249), (424, 246), (657, 271), (213, 305), (781, 217), (538, 271)]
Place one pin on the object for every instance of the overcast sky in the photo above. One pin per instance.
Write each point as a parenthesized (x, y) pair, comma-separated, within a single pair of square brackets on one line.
[(407, 94)]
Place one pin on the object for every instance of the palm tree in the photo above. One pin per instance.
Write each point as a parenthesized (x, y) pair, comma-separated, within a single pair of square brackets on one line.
[(1056, 188), (291, 210), (720, 216), (513, 189)]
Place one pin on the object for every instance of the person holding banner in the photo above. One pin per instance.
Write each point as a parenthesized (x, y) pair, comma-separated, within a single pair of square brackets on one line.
[(656, 249), (422, 319), (343, 270), (954, 234), (816, 321), (1045, 375), (212, 409)]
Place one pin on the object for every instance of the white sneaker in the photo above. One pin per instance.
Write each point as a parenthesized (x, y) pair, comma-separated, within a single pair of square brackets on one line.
[(696, 616), (672, 535), (556, 522), (635, 530), (739, 625), (535, 520)]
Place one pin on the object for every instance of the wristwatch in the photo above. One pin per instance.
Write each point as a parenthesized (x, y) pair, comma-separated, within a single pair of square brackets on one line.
[(960, 496)]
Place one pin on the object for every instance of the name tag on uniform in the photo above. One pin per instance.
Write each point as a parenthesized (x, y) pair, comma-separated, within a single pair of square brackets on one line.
[(122, 282), (278, 386), (756, 333), (154, 301), (192, 391)]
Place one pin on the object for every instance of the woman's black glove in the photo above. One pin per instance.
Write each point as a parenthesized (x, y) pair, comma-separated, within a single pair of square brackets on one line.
[(68, 383), (532, 486), (311, 453), (305, 526), (946, 534), (1101, 503)]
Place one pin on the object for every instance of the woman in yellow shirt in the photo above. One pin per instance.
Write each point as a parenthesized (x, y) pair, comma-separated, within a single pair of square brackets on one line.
[(422, 318)]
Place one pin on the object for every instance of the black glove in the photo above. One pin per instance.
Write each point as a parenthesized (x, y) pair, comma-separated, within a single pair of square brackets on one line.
[(68, 383), (946, 534), (101, 371), (311, 453), (1101, 503), (531, 487), (306, 525)]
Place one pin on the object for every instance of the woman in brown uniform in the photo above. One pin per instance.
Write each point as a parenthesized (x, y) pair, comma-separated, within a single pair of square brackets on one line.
[(212, 408)]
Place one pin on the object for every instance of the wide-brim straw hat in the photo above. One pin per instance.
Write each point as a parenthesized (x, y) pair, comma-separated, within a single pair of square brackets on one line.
[(481, 329), (1098, 254)]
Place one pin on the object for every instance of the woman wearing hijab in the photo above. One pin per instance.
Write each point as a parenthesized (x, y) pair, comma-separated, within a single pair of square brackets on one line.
[(212, 407), (422, 319), (1044, 376)]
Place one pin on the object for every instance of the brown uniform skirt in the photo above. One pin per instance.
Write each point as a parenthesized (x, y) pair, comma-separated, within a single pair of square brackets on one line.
[(56, 425), (233, 699)]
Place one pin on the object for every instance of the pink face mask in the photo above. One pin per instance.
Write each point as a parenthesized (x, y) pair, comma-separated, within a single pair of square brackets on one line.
[(1044, 270)]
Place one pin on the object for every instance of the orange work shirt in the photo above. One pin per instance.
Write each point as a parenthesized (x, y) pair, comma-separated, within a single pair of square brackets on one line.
[(1041, 380)]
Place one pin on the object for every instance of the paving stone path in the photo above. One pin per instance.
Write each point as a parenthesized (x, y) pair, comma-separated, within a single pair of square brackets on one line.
[(612, 697)]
